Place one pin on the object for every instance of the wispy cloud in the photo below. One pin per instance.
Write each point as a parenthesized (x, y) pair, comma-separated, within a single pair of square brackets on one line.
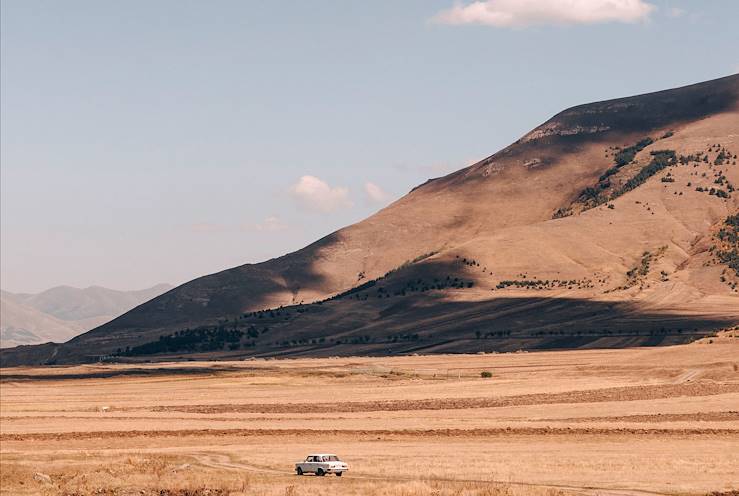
[(375, 194), (315, 194), (207, 227), (522, 13), (271, 223)]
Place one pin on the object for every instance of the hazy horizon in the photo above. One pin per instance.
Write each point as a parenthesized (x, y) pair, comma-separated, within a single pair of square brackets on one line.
[(154, 143), (94, 286)]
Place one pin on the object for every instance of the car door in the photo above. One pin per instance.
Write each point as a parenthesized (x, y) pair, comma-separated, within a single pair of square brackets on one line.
[(310, 465)]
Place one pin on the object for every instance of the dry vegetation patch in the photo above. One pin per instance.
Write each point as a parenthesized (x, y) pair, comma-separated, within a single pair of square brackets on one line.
[(163, 475), (629, 393), (620, 422)]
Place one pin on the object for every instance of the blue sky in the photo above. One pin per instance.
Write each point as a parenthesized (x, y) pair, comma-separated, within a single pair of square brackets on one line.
[(147, 142)]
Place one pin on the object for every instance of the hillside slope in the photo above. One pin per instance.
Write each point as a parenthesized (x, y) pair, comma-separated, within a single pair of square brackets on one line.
[(602, 221)]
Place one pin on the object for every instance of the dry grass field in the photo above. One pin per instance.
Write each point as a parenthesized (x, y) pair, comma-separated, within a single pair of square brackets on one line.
[(611, 422)]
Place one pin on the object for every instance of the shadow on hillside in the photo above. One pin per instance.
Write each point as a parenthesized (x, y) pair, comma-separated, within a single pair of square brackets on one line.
[(415, 309), (428, 324), (213, 297)]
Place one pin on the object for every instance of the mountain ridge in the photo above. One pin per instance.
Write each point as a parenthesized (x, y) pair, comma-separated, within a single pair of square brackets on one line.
[(62, 312), (501, 212)]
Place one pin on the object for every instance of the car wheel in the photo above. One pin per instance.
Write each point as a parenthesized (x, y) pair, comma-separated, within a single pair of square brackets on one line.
[(299, 471), (320, 472), (338, 474)]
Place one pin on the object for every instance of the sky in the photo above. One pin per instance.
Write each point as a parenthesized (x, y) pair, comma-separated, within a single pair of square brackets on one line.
[(145, 142)]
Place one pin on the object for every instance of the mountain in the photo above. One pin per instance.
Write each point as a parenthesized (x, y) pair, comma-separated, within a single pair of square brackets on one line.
[(611, 224), (63, 312), (22, 324), (68, 303)]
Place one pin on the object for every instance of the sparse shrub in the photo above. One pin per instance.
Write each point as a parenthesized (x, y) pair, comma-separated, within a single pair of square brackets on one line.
[(486, 374)]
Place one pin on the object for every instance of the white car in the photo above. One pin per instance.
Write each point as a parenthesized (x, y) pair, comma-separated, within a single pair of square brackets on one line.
[(321, 464)]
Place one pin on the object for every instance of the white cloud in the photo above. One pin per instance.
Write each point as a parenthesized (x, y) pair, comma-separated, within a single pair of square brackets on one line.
[(521, 13), (374, 193), (271, 223), (315, 194), (676, 12)]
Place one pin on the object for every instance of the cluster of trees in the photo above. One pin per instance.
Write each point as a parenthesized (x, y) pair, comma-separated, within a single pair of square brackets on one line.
[(722, 180), (470, 262), (636, 274), (723, 155), (642, 269), (545, 284), (402, 337), (713, 192), (420, 285), (354, 291), (728, 254), (411, 286), (272, 313), (492, 334), (408, 263), (626, 155), (608, 332), (300, 342), (562, 212), (190, 340), (660, 160), (364, 339), (593, 196), (381, 293)]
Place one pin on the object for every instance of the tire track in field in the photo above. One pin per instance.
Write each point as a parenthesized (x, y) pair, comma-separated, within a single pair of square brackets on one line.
[(373, 433), (217, 460), (622, 393)]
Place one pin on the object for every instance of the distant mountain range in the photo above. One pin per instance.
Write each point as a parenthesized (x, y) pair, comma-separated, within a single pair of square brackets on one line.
[(58, 314)]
